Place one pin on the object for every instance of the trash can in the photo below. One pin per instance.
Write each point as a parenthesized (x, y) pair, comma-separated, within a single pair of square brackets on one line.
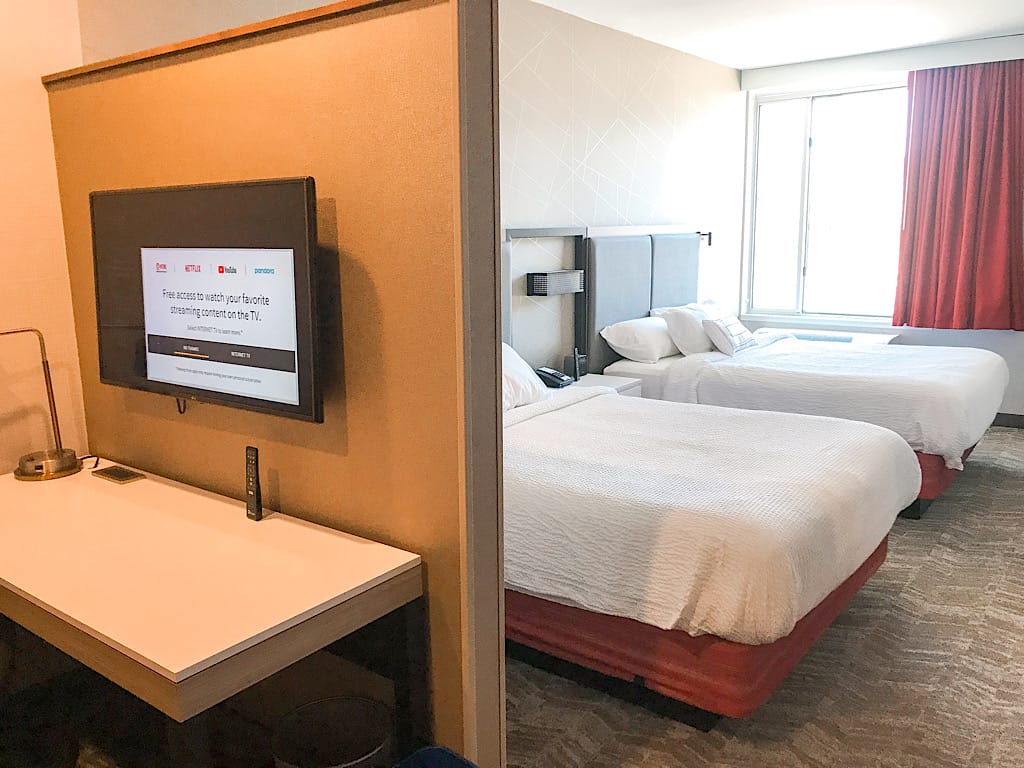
[(338, 732), (435, 757)]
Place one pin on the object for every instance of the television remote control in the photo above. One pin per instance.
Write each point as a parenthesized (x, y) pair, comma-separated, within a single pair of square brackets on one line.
[(253, 498)]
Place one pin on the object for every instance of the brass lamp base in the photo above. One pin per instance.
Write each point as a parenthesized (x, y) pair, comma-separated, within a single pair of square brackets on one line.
[(48, 465)]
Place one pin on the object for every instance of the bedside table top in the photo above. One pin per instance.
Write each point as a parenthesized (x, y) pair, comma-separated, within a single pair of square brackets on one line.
[(618, 383)]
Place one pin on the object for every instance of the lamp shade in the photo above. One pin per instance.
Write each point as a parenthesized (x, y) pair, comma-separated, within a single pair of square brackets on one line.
[(554, 283)]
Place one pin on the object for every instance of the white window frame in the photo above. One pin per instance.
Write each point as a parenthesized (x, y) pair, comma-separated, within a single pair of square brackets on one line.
[(792, 318)]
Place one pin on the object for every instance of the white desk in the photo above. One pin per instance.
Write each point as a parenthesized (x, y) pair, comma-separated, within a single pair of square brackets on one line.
[(173, 594)]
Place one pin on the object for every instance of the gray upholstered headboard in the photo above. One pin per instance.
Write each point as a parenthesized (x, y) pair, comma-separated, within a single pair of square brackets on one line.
[(626, 276)]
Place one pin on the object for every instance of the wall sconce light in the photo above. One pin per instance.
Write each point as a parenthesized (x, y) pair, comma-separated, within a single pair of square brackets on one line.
[(554, 283), (47, 464)]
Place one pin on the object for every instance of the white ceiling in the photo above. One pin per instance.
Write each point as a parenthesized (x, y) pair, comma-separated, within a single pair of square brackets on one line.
[(746, 34)]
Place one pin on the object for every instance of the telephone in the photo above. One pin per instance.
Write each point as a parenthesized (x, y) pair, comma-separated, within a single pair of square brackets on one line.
[(553, 378)]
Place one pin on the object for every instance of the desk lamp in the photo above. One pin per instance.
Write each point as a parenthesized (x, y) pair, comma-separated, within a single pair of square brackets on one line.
[(47, 464)]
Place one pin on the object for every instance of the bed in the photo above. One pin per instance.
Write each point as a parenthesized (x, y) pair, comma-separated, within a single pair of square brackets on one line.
[(939, 399), (672, 545)]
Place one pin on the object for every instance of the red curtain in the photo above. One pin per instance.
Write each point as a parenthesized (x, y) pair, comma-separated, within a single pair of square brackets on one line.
[(962, 244)]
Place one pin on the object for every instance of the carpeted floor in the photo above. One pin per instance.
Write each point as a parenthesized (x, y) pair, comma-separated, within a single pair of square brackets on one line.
[(925, 667)]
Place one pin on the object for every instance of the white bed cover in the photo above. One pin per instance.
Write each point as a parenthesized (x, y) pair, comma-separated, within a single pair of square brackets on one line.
[(939, 399), (711, 520)]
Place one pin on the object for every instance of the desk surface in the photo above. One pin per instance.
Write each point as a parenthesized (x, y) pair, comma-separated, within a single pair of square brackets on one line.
[(176, 578)]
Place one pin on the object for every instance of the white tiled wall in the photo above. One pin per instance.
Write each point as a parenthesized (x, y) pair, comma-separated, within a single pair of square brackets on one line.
[(601, 128), (541, 325), (36, 38)]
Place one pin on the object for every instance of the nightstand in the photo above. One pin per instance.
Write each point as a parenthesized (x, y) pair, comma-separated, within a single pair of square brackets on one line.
[(621, 384)]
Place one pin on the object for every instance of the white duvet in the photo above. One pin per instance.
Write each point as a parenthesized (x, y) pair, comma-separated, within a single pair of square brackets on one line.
[(711, 520), (939, 399)]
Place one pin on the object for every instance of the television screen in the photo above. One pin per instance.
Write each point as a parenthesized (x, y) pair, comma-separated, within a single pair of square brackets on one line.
[(208, 292)]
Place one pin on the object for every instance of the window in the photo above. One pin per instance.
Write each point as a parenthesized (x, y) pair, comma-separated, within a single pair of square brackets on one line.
[(827, 202)]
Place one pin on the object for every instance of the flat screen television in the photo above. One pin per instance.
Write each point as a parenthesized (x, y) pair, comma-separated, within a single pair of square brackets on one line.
[(208, 293)]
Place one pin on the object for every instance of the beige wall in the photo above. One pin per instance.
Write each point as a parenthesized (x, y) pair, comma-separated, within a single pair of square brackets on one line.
[(365, 103), (600, 128), (35, 38), (112, 28)]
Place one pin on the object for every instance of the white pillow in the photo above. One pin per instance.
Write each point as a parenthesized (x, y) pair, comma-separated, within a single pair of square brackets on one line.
[(729, 335), (686, 325), (519, 384), (644, 340)]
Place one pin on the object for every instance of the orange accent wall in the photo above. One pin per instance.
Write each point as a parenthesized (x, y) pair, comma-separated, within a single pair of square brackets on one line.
[(35, 38), (365, 104)]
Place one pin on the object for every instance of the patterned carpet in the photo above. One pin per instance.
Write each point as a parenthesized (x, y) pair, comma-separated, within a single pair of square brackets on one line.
[(925, 667)]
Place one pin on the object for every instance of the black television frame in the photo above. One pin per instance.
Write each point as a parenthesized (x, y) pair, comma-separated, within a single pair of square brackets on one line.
[(265, 213)]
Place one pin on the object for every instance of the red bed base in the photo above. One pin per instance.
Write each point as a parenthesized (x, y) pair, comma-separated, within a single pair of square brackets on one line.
[(935, 475), (711, 673)]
